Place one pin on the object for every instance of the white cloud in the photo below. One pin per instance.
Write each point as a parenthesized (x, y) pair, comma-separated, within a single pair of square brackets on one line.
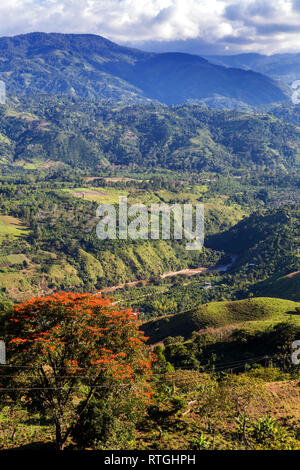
[(249, 25)]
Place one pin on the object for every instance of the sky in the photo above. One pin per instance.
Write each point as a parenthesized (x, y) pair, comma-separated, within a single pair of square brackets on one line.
[(195, 26)]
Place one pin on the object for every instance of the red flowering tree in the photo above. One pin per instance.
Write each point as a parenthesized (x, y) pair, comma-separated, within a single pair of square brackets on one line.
[(68, 346)]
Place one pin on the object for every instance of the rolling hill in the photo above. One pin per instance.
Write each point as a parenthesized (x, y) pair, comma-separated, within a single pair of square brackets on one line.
[(221, 314)]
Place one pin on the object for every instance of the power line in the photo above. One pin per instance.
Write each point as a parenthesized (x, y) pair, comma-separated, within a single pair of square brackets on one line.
[(23, 389), (242, 361), (230, 366)]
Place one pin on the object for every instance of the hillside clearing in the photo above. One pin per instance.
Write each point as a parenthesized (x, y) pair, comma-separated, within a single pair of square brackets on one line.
[(11, 226)]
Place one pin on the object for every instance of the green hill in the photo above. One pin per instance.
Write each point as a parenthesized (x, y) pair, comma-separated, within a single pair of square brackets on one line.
[(266, 243), (220, 314)]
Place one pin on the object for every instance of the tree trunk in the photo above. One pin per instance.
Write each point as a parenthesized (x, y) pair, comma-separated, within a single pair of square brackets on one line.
[(79, 413), (58, 435)]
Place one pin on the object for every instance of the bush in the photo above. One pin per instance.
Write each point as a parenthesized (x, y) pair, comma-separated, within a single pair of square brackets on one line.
[(102, 428), (267, 434), (199, 443)]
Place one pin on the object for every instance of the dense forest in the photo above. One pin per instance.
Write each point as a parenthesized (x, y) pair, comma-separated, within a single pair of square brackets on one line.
[(97, 135)]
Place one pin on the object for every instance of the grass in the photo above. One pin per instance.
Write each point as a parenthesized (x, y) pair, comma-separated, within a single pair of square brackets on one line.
[(12, 260), (4, 139), (14, 282), (278, 397), (21, 430), (99, 195), (11, 226), (64, 272), (19, 282), (37, 164), (170, 197), (257, 313)]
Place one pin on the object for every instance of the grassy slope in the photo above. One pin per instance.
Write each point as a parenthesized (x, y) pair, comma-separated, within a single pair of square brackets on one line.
[(11, 226), (256, 313)]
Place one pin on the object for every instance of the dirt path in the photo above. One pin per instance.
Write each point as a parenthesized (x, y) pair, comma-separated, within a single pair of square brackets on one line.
[(184, 272), (121, 286), (291, 275)]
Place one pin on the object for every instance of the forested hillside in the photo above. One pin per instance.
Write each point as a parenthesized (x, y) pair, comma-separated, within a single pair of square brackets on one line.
[(268, 241), (289, 113), (91, 66), (92, 134)]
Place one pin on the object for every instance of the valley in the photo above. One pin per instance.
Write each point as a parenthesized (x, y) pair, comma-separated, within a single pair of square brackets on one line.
[(122, 343)]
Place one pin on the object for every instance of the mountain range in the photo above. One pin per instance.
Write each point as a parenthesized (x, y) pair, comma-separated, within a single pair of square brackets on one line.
[(91, 66), (284, 67)]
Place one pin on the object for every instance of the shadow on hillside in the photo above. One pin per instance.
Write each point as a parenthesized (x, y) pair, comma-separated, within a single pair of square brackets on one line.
[(36, 446), (294, 312)]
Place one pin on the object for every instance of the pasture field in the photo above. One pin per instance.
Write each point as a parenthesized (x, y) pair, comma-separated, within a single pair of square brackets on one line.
[(11, 226), (99, 195)]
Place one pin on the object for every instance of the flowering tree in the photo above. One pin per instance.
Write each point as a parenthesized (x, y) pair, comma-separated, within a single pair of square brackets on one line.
[(68, 346)]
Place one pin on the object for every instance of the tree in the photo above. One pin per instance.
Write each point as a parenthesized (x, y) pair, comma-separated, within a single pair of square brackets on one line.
[(68, 346)]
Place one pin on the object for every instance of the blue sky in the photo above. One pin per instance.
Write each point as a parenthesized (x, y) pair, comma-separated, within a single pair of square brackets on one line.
[(198, 26)]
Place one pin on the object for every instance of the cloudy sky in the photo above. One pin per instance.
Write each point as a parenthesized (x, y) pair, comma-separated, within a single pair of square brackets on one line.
[(198, 26)]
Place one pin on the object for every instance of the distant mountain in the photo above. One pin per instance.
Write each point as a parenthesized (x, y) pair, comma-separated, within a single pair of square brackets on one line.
[(90, 66), (285, 67)]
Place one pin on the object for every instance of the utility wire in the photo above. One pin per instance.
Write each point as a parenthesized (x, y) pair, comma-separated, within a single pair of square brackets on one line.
[(230, 366)]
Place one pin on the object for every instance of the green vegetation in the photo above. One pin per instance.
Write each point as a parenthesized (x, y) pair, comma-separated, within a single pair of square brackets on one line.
[(221, 321), (11, 226), (287, 287), (95, 135), (262, 312)]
